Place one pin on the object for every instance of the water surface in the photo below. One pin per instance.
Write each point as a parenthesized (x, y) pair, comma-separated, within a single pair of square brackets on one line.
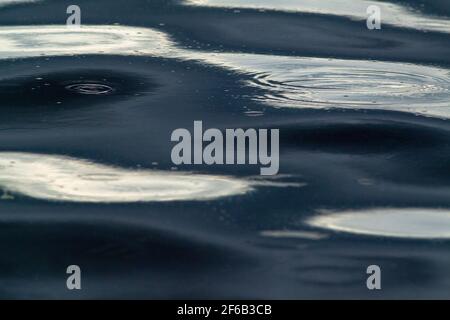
[(86, 176)]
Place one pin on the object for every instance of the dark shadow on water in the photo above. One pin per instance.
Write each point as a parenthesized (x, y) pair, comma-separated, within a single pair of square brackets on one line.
[(76, 88)]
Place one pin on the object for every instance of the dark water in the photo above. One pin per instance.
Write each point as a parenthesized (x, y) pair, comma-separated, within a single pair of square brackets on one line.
[(364, 149)]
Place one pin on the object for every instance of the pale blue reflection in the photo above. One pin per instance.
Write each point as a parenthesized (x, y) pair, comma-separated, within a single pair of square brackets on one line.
[(417, 223)]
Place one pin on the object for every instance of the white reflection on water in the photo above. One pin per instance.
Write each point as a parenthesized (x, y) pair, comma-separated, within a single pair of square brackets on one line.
[(9, 2), (334, 83), (287, 81), (414, 223), (356, 9), (32, 41), (59, 178)]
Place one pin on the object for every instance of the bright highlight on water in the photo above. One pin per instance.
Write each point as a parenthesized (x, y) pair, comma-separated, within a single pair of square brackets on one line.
[(293, 82), (59, 178), (415, 223)]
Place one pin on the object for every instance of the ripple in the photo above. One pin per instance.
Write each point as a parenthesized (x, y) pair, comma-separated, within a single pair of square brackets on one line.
[(394, 14), (414, 223), (294, 82), (90, 88), (334, 83), (61, 88)]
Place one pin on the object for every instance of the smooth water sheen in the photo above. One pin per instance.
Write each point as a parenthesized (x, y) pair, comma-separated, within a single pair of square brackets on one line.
[(86, 175), (402, 223)]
